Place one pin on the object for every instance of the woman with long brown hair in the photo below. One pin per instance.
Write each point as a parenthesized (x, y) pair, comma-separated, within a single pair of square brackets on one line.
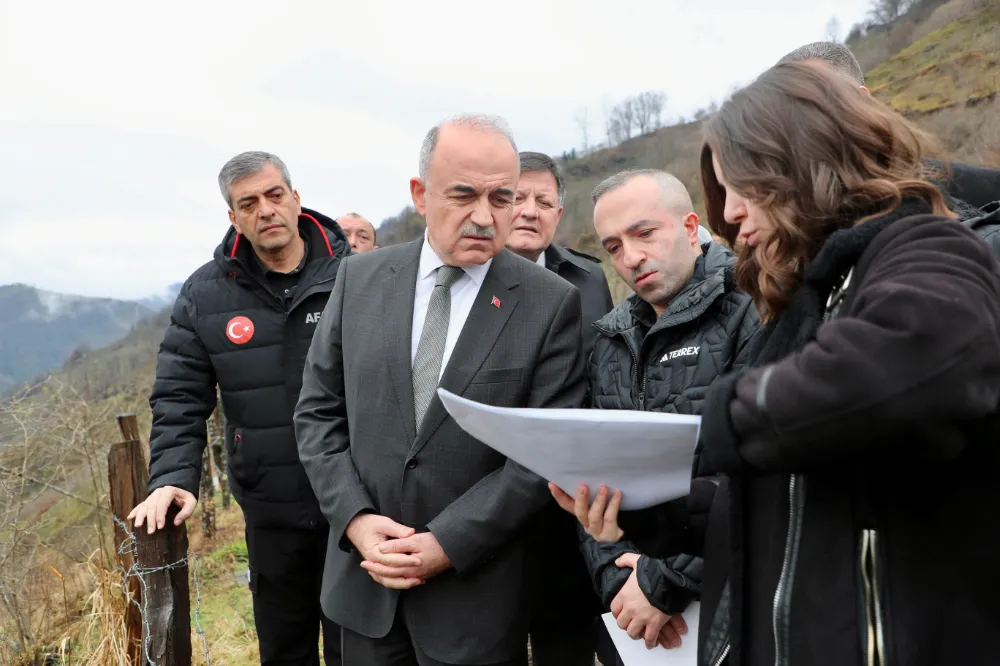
[(860, 447)]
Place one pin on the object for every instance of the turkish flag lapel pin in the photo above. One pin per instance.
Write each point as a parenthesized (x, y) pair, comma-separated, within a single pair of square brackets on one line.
[(495, 302)]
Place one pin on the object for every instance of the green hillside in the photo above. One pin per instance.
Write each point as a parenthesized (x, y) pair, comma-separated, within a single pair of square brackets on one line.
[(957, 65), (946, 78)]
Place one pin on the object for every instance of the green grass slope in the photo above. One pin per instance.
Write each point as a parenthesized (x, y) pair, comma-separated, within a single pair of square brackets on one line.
[(958, 64)]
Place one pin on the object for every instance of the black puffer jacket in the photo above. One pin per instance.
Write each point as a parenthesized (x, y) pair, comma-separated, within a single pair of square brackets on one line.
[(666, 365), (701, 335), (862, 447), (976, 185), (258, 369)]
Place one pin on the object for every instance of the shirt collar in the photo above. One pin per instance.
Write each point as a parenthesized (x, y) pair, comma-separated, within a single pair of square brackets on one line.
[(261, 269), (541, 259), (430, 262)]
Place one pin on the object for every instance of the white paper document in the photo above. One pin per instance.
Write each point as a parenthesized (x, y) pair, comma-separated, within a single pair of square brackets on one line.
[(646, 455), (634, 653)]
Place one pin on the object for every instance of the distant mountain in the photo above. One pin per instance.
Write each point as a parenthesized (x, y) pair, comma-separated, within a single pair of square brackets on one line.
[(40, 329), (162, 300)]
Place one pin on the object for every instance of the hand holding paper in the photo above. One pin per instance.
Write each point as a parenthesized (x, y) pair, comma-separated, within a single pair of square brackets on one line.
[(647, 455), (600, 519), (634, 652)]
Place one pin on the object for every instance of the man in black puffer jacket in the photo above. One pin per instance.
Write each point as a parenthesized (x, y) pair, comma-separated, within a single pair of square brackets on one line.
[(659, 350), (244, 322)]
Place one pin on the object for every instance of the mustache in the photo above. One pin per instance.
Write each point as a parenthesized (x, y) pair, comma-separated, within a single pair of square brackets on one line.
[(473, 229)]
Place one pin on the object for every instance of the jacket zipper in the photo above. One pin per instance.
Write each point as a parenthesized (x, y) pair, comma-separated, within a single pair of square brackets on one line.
[(725, 653), (265, 289), (642, 392), (875, 647), (281, 304), (642, 385), (783, 594), (309, 291)]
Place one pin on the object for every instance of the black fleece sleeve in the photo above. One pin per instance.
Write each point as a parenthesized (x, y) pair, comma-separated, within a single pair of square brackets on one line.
[(916, 352), (671, 583), (606, 576)]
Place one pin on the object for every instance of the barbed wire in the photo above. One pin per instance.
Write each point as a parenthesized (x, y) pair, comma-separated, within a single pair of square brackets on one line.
[(129, 547)]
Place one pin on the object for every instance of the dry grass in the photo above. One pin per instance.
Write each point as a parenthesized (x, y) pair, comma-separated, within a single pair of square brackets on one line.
[(226, 612), (968, 134), (106, 640), (945, 14), (958, 64), (87, 628)]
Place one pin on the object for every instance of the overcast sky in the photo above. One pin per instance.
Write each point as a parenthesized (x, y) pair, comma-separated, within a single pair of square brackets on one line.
[(115, 117)]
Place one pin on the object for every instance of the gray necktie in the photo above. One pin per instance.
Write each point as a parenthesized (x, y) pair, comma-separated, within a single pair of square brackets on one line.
[(430, 349)]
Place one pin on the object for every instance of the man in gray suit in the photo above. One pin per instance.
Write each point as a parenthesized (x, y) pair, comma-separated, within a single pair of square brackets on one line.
[(428, 559)]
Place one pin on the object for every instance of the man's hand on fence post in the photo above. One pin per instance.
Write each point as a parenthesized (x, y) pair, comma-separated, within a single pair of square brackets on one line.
[(153, 510)]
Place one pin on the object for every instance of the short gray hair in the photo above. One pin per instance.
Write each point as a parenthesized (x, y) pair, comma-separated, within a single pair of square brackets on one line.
[(247, 164), (837, 56), (675, 196), (482, 122), (540, 162)]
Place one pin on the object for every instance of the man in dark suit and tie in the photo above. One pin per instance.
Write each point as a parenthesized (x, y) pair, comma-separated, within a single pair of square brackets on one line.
[(428, 561), (538, 208), (566, 608)]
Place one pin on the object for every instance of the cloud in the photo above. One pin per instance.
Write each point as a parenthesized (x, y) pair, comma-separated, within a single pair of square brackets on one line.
[(118, 115)]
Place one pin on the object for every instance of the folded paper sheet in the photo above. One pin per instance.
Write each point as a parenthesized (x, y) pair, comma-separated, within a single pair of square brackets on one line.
[(634, 653), (648, 456)]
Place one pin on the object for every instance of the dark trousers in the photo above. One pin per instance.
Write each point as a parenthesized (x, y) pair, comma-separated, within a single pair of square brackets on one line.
[(396, 649), (565, 605), (564, 646), (286, 570), (607, 653)]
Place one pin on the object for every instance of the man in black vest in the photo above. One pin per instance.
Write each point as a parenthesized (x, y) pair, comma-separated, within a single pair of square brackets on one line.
[(565, 605), (244, 322)]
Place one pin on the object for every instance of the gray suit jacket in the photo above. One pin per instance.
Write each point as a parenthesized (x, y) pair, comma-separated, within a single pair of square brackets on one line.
[(362, 451)]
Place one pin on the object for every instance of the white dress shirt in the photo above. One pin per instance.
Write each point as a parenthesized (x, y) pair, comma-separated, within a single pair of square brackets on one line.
[(463, 294), (541, 259)]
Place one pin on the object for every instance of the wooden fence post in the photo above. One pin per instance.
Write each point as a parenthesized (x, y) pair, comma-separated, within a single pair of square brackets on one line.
[(166, 602), (129, 425), (128, 477)]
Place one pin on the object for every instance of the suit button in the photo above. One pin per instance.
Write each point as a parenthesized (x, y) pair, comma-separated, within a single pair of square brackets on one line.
[(411, 464)]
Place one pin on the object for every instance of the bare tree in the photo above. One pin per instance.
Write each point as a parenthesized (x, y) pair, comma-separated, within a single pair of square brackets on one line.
[(624, 113), (583, 122), (856, 32), (615, 132), (641, 113), (833, 30), (884, 12), (654, 102)]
